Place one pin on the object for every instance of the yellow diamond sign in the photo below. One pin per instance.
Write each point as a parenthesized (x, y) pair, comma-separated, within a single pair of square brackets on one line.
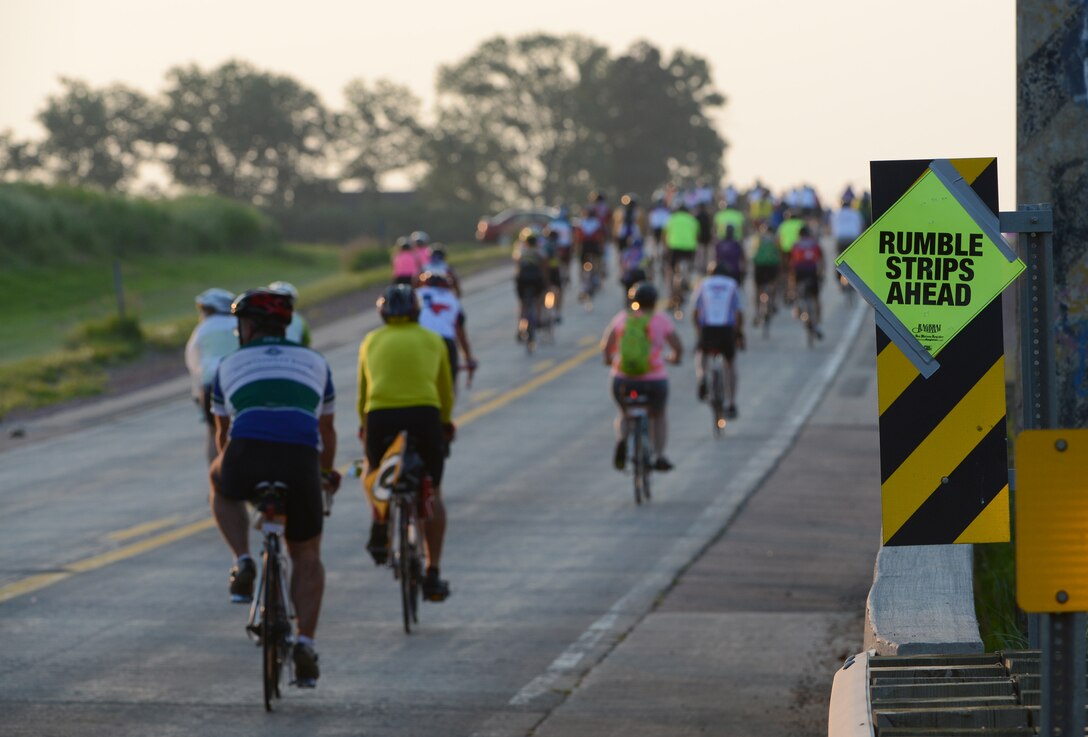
[(931, 262)]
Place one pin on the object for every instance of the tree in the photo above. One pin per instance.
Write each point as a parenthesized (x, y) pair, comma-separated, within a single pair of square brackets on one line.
[(653, 120), (18, 159), (510, 122), (93, 136), (380, 132), (242, 133)]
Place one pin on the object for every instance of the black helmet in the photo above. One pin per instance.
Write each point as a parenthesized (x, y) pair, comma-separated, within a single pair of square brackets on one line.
[(434, 277), (642, 296), (399, 301), (264, 305)]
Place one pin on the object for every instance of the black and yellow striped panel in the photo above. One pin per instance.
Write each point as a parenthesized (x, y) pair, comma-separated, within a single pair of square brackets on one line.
[(943, 455)]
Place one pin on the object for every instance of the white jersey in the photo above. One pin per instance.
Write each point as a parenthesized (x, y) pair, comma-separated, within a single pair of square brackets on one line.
[(563, 232), (212, 338), (440, 311), (717, 301), (658, 217), (846, 224)]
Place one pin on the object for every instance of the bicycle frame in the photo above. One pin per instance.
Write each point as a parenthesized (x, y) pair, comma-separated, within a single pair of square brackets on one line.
[(636, 414)]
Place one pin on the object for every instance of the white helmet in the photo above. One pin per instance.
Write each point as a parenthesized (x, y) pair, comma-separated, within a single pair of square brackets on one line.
[(216, 299), (284, 287), (420, 238)]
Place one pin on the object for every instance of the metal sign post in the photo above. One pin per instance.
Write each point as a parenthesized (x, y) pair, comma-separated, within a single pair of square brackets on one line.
[(1058, 634)]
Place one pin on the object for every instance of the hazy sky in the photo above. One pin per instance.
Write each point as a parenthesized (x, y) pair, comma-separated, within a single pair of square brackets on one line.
[(815, 89)]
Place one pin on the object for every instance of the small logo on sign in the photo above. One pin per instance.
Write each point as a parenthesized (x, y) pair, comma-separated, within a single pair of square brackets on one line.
[(927, 328)]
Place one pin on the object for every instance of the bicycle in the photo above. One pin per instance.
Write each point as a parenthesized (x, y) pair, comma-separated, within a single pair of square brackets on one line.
[(271, 613), (680, 286), (765, 308), (548, 316), (804, 310), (715, 378), (591, 281), (405, 486), (528, 321), (636, 414)]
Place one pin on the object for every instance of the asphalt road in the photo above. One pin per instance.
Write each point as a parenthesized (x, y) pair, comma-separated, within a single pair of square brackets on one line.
[(113, 606)]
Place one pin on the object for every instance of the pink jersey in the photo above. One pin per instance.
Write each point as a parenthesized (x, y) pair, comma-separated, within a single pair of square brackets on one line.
[(404, 264), (660, 328)]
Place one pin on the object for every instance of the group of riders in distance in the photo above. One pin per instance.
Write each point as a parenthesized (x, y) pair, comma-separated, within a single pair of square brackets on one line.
[(269, 399)]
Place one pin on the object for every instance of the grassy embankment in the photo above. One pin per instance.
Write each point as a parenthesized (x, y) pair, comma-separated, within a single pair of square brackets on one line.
[(61, 329)]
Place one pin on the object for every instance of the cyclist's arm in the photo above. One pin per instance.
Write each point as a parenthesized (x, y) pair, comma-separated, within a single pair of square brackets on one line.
[(445, 385), (608, 345), (677, 347), (462, 338), (361, 400), (327, 429)]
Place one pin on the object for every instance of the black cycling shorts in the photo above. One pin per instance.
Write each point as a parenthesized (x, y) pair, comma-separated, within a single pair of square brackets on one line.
[(676, 255), (424, 426), (766, 273), (808, 283), (451, 349), (246, 462), (720, 338), (656, 389)]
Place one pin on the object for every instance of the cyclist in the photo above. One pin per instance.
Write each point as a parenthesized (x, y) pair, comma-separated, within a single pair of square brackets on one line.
[(591, 235), (706, 231), (846, 226), (681, 238), (767, 261), (438, 261), (632, 265), (628, 222), (807, 269), (530, 280), (730, 252), (547, 243), (727, 216), (659, 332), (211, 339), (405, 384), (441, 312), (421, 247), (299, 329), (405, 263), (717, 309), (273, 402), (561, 232)]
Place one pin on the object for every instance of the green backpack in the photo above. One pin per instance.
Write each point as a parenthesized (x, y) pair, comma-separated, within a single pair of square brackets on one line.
[(635, 346)]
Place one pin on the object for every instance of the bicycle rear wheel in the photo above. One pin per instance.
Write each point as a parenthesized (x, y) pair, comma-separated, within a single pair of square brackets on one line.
[(646, 460), (717, 396), (273, 619), (639, 462)]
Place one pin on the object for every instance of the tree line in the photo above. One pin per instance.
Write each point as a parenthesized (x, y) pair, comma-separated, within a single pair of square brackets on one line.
[(539, 118)]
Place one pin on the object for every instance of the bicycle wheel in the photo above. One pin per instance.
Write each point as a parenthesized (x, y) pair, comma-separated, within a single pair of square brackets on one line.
[(717, 396), (273, 615), (646, 460), (404, 562), (637, 457)]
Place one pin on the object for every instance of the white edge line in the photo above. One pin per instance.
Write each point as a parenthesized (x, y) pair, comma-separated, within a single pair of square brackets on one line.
[(703, 530)]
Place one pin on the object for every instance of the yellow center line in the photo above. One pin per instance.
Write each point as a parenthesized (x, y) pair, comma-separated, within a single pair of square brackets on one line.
[(42, 580), (542, 365), (482, 394), (142, 529), (587, 340)]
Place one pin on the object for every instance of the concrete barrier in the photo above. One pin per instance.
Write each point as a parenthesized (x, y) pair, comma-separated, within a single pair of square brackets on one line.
[(922, 602)]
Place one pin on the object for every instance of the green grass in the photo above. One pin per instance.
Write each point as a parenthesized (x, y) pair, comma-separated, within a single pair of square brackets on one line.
[(1002, 625), (61, 327), (42, 306)]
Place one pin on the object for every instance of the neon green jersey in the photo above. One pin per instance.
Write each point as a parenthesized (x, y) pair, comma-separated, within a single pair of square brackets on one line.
[(404, 365), (682, 231), (789, 232), (725, 218)]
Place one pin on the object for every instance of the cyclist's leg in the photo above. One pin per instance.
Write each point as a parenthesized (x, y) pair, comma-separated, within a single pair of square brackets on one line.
[(425, 425), (227, 497), (307, 582), (659, 426)]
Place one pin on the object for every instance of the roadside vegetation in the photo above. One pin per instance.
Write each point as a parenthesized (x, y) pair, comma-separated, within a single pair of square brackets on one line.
[(1001, 623), (62, 327)]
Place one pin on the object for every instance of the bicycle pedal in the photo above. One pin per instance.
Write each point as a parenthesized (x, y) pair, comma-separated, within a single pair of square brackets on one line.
[(304, 682), (240, 599)]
